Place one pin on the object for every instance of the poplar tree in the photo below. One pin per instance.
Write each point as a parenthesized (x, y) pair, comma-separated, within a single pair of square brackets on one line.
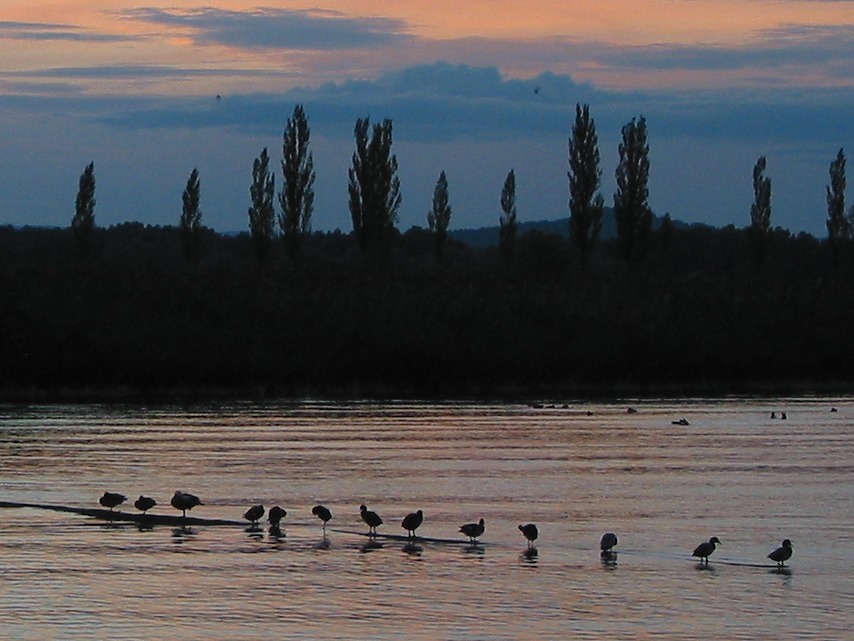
[(838, 227), (631, 206), (507, 220), (439, 217), (262, 213), (83, 221), (374, 187), (191, 216), (297, 196), (585, 204), (760, 212)]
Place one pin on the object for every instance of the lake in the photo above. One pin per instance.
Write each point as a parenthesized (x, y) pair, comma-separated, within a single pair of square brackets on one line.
[(576, 471)]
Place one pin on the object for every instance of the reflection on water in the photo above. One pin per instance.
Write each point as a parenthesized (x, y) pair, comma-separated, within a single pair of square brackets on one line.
[(576, 472)]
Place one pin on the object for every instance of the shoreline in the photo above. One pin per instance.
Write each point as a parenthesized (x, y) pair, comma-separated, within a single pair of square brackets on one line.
[(569, 393)]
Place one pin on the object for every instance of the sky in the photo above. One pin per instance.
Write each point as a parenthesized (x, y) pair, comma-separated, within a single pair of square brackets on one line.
[(148, 90)]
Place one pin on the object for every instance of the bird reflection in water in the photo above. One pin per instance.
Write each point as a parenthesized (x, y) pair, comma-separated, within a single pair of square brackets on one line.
[(529, 555), (180, 534), (370, 545), (323, 544), (413, 549)]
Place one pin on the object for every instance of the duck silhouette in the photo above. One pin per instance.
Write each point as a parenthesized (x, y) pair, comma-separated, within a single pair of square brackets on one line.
[(782, 553), (473, 530), (112, 499), (184, 501), (411, 522), (705, 549), (144, 503), (371, 519)]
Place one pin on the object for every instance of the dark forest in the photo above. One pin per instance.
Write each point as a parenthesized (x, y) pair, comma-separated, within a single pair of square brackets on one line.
[(135, 316)]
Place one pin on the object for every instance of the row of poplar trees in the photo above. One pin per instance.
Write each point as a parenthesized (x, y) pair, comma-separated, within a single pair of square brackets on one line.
[(375, 197)]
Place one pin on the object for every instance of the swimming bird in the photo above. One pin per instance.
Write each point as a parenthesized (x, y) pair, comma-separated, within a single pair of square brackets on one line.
[(184, 501), (144, 503), (411, 522), (530, 531), (473, 530), (254, 514), (609, 540), (782, 553), (323, 513), (275, 515), (112, 499), (705, 549), (372, 519)]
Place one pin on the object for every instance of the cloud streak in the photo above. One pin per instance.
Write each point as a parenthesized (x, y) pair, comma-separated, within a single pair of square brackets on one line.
[(290, 29), (54, 32)]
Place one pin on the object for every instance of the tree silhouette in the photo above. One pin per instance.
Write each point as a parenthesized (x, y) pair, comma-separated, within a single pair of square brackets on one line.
[(191, 217), (507, 221), (631, 206), (374, 187), (760, 212), (262, 214), (838, 227), (297, 197), (585, 205), (439, 217), (83, 221)]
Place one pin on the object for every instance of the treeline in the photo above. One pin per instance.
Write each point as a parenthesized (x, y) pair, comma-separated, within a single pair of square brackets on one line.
[(138, 316), (283, 310)]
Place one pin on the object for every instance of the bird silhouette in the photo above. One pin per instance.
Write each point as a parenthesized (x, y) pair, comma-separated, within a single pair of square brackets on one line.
[(529, 530), (372, 519), (144, 503), (184, 501), (782, 553), (254, 514), (112, 499), (411, 522), (324, 514), (705, 549), (473, 530), (275, 515), (608, 541)]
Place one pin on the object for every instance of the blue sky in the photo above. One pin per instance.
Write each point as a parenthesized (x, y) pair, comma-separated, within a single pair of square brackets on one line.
[(133, 88)]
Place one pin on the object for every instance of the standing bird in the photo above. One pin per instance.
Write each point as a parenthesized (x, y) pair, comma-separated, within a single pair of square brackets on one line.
[(275, 515), (372, 519), (183, 501), (254, 514), (473, 530), (608, 541), (144, 503), (112, 499), (782, 553), (530, 531), (324, 514), (411, 522), (705, 549)]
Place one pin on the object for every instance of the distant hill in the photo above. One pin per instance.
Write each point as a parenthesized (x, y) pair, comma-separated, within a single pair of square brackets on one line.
[(488, 236)]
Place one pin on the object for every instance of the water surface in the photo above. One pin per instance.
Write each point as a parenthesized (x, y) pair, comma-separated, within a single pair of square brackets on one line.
[(575, 471)]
